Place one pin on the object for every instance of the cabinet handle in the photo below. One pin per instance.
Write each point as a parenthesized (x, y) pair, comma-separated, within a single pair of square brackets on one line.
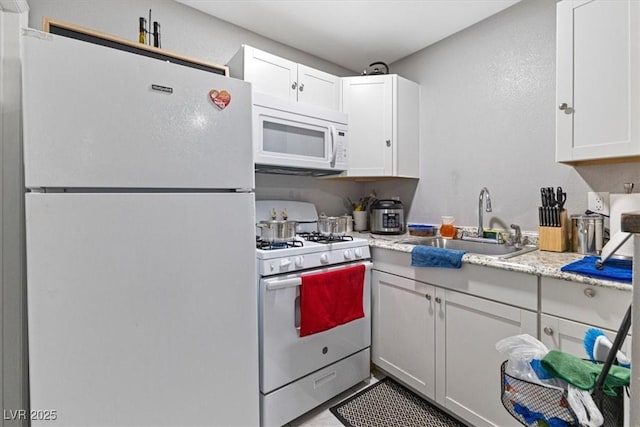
[(547, 330), (590, 293), (388, 141), (565, 107), (438, 300), (301, 88), (428, 297), (294, 85)]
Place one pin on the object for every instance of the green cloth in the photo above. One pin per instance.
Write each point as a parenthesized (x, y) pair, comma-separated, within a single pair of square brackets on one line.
[(583, 374)]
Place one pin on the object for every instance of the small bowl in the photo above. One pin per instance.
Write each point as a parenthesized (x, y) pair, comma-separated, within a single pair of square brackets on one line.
[(422, 230)]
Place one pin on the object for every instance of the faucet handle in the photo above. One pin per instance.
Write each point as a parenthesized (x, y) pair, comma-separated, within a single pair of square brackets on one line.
[(518, 237)]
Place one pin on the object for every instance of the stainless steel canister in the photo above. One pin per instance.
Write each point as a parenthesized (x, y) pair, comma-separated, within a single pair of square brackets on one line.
[(586, 234)]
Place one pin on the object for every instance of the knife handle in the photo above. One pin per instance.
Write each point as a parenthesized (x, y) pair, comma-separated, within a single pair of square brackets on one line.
[(540, 216)]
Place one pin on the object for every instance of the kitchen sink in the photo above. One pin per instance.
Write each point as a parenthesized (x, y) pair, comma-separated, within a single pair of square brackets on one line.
[(495, 250)]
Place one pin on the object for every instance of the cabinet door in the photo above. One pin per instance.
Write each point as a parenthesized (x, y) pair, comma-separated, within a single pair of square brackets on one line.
[(270, 74), (467, 362), (403, 330), (568, 336), (369, 102), (598, 88), (318, 88)]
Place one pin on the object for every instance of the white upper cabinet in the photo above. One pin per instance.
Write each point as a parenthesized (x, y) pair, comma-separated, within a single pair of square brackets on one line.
[(280, 77), (383, 125), (598, 80)]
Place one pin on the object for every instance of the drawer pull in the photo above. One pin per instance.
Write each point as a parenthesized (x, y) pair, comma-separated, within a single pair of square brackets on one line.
[(590, 293), (438, 300), (428, 297), (548, 330)]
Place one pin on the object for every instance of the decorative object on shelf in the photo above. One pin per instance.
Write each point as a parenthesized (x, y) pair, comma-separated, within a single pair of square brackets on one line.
[(143, 32), (156, 34)]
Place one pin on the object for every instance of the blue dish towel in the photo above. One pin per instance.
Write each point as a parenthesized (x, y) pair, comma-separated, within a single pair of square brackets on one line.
[(614, 269), (428, 256)]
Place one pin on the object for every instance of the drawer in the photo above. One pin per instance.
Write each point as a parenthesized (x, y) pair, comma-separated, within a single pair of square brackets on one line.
[(594, 305), (508, 287), (294, 399)]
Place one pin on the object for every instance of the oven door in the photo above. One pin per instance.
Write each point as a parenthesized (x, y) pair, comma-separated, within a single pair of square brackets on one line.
[(284, 355)]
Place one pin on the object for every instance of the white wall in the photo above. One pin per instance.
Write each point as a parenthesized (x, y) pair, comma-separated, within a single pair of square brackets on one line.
[(193, 33), (488, 119)]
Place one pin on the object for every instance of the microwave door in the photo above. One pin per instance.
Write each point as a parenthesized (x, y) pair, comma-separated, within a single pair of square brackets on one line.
[(298, 142)]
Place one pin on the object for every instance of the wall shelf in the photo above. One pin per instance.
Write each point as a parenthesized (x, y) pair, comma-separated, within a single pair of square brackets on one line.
[(92, 36)]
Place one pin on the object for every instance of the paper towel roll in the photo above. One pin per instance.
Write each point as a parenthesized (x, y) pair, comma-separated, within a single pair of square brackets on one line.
[(619, 204)]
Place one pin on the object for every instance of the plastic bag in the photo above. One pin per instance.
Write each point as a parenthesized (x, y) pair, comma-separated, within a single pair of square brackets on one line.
[(520, 350)]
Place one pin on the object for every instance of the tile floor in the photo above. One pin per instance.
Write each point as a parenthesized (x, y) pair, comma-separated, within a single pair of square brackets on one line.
[(322, 416)]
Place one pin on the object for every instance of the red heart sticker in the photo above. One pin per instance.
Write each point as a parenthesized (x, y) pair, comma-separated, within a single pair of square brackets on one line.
[(221, 98)]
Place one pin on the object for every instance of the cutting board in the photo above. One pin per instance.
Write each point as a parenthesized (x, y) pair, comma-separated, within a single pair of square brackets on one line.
[(618, 204)]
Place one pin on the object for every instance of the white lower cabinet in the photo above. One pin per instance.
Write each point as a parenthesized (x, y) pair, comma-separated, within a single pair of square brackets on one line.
[(441, 342), (568, 336), (569, 309), (404, 330), (467, 363)]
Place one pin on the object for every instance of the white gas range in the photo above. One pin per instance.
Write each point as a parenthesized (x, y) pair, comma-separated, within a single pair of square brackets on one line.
[(303, 254), (298, 373)]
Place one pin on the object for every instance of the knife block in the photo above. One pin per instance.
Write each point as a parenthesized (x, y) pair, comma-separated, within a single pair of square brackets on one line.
[(555, 239)]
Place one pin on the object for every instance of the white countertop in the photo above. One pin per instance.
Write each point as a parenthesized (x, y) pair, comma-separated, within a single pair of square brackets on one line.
[(542, 263)]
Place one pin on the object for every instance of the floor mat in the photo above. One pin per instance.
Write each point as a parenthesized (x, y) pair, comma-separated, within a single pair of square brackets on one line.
[(387, 403)]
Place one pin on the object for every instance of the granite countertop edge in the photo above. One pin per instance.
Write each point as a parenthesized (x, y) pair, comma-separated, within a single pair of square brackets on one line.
[(541, 263)]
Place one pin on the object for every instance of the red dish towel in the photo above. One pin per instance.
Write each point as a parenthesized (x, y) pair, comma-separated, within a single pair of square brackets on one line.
[(331, 299)]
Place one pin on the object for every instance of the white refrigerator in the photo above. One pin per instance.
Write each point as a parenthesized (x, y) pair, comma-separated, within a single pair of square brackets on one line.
[(140, 229)]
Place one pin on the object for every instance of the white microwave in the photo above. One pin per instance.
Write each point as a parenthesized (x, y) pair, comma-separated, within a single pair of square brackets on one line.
[(295, 138)]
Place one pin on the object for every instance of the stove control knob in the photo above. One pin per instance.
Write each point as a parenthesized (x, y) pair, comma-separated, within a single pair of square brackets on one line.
[(358, 252), (299, 261), (348, 254), (284, 264), (324, 258)]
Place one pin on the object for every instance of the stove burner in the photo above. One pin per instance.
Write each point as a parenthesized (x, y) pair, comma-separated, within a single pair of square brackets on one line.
[(320, 238), (270, 246)]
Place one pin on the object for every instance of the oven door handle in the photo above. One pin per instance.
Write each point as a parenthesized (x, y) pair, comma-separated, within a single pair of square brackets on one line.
[(273, 284)]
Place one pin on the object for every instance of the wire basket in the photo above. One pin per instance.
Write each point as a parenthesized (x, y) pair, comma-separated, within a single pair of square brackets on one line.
[(524, 399)]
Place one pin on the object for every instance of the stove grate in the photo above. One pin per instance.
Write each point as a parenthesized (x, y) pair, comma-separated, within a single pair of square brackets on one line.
[(270, 246), (320, 238)]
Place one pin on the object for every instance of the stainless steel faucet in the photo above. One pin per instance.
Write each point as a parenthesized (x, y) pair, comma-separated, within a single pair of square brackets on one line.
[(484, 191)]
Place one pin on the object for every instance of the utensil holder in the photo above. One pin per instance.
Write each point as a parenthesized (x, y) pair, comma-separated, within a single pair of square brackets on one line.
[(555, 239)]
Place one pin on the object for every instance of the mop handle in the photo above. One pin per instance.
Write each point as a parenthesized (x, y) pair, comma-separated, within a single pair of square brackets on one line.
[(617, 344)]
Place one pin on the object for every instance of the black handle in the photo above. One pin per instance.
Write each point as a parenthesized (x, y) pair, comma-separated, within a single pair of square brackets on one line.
[(561, 196), (386, 67)]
